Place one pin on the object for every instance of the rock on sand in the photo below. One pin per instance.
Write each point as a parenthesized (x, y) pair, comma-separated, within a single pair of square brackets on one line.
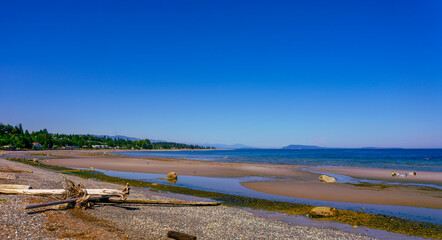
[(327, 179), (323, 212)]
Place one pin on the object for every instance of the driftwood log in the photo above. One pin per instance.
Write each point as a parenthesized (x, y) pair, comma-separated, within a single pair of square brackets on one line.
[(180, 236), (72, 200), (82, 197), (103, 192), (14, 186), (146, 201), (13, 170), (106, 199)]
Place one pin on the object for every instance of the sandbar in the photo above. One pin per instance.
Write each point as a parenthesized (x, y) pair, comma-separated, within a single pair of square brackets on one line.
[(385, 174), (180, 166), (341, 192)]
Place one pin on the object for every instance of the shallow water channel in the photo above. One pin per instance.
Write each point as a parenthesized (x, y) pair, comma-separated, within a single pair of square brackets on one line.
[(232, 186)]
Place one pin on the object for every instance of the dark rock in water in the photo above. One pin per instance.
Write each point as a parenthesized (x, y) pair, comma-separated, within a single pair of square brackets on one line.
[(172, 175)]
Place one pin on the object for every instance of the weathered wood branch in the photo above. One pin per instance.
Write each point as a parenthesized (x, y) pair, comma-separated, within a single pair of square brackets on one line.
[(146, 201), (180, 236), (13, 170), (72, 200), (104, 192), (14, 186), (106, 199)]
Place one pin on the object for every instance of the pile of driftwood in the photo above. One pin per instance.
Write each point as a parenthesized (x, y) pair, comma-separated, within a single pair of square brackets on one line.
[(76, 195)]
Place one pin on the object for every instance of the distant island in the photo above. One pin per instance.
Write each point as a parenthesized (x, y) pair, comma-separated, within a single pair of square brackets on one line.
[(15, 138)]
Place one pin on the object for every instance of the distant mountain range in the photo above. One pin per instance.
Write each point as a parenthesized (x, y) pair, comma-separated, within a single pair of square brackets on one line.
[(130, 138), (238, 145), (118, 136)]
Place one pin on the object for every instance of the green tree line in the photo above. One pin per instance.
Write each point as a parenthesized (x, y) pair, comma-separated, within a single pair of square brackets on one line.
[(14, 137)]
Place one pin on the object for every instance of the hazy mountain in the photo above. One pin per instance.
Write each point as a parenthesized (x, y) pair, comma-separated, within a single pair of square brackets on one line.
[(129, 138), (119, 136), (155, 141), (217, 146)]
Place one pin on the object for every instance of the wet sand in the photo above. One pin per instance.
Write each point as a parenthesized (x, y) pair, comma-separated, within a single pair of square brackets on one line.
[(180, 166), (298, 183), (342, 192), (385, 174)]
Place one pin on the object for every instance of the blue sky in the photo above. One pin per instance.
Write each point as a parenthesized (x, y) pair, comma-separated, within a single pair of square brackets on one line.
[(261, 73)]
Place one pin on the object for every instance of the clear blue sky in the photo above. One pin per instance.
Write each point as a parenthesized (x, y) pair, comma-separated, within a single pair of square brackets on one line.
[(261, 73)]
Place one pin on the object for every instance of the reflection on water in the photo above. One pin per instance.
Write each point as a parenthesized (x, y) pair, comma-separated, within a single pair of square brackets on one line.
[(233, 186), (172, 180)]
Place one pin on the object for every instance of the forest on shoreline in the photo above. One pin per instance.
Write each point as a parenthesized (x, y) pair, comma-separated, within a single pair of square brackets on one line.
[(15, 138)]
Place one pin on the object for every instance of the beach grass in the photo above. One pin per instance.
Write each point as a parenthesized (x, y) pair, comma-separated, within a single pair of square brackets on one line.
[(353, 218)]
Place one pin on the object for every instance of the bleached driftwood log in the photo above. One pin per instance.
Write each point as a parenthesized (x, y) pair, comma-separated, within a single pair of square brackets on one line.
[(103, 192), (14, 186)]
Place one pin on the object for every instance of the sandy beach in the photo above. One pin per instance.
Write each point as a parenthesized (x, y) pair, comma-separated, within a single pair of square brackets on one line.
[(220, 222), (298, 183), (110, 221)]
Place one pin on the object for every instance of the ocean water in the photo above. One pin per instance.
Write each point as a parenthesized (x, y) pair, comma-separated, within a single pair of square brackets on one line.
[(397, 159)]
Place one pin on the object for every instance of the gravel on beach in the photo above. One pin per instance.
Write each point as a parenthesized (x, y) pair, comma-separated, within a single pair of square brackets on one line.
[(126, 221)]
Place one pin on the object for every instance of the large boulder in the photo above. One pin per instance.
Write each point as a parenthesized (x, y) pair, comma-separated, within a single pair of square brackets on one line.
[(327, 179), (172, 175), (323, 212)]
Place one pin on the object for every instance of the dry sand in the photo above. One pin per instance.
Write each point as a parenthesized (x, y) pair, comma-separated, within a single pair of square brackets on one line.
[(300, 184)]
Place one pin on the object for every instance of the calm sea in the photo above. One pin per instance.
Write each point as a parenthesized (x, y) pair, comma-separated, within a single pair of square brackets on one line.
[(397, 159)]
